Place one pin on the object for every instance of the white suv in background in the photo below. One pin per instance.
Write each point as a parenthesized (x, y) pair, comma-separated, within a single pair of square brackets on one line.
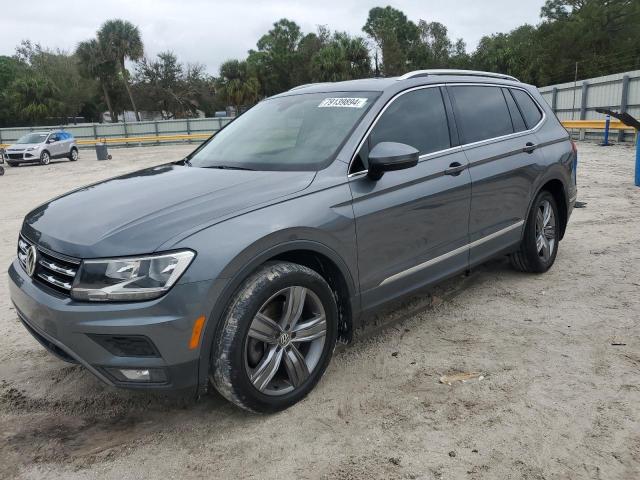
[(42, 147)]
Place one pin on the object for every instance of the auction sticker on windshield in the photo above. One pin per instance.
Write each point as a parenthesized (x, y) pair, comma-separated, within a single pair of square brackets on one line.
[(343, 102)]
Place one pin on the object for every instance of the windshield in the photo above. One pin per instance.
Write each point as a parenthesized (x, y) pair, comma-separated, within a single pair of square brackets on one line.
[(297, 132), (33, 138)]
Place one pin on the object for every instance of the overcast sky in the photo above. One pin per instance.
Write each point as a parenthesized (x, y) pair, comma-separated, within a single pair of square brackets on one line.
[(210, 32)]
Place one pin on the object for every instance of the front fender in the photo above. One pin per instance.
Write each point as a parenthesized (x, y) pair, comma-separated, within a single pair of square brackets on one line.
[(229, 251)]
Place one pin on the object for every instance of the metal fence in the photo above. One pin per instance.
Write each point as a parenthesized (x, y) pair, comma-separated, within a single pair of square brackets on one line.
[(160, 131), (579, 100)]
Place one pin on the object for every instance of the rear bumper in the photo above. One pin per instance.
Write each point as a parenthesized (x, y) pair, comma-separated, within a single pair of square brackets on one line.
[(64, 327)]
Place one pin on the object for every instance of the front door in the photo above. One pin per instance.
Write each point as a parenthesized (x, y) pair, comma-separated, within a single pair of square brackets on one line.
[(411, 225), (54, 146)]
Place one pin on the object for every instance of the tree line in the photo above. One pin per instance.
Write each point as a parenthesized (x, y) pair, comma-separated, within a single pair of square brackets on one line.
[(110, 72)]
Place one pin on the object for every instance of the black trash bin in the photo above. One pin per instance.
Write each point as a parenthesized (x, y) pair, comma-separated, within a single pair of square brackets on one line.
[(101, 151)]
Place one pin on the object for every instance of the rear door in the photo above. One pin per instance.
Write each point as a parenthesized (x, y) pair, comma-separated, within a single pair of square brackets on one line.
[(503, 164), (65, 143), (411, 224)]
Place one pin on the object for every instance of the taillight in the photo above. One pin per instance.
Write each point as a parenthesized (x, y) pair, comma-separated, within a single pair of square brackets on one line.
[(574, 147)]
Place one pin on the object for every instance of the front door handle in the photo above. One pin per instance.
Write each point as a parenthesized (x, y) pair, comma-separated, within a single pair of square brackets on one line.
[(529, 147), (455, 169)]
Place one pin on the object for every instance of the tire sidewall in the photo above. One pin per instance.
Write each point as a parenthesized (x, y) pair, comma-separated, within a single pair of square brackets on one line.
[(73, 150), (228, 356), (537, 263)]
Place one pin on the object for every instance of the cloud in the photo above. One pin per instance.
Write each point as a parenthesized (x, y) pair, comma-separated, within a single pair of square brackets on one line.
[(210, 32)]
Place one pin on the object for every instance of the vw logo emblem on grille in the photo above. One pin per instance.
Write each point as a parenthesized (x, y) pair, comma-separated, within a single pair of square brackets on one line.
[(31, 260)]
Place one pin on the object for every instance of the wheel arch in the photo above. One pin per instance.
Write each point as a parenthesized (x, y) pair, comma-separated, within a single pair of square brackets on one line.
[(556, 186)]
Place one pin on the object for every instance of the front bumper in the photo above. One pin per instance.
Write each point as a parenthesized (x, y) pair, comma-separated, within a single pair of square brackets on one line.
[(30, 156), (64, 327)]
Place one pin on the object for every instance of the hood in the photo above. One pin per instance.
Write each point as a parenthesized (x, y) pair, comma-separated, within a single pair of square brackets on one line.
[(136, 213), (22, 146)]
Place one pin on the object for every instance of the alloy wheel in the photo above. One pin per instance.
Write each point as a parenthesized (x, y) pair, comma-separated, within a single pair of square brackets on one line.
[(545, 230), (285, 341), (45, 158)]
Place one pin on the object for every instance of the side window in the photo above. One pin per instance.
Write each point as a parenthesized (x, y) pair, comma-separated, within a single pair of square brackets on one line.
[(481, 112), (516, 117), (417, 118), (528, 107)]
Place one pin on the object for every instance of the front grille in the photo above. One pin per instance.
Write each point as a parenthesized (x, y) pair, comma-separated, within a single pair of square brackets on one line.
[(14, 156), (53, 270)]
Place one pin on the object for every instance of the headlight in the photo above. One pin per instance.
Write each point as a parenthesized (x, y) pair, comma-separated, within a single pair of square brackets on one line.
[(127, 279), (31, 148)]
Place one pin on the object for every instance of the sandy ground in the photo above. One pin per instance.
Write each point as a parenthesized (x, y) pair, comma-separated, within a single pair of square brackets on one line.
[(559, 354)]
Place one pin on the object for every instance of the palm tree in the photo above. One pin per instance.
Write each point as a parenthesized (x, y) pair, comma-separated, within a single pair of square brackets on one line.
[(121, 41), (34, 98), (95, 64), (237, 85)]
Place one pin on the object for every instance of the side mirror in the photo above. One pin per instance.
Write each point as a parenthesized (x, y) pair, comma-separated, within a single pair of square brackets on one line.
[(389, 156)]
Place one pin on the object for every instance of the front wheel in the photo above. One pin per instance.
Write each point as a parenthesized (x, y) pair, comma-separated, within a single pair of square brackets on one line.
[(277, 338), (539, 246), (45, 158)]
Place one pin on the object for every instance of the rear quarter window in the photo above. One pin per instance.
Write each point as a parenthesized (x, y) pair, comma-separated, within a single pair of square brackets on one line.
[(516, 116), (481, 112), (528, 107)]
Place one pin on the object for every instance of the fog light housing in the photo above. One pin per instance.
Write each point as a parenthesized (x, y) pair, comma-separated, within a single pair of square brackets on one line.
[(138, 375)]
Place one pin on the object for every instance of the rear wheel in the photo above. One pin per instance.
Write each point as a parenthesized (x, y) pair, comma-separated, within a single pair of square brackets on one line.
[(277, 338), (539, 246), (73, 154), (45, 158)]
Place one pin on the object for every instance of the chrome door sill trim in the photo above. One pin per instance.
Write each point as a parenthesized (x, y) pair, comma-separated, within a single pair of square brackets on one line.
[(450, 254)]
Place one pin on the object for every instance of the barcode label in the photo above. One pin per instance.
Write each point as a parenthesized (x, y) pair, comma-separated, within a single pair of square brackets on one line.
[(343, 102)]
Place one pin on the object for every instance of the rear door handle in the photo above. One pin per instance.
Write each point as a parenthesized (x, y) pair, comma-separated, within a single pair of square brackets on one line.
[(455, 169), (529, 147)]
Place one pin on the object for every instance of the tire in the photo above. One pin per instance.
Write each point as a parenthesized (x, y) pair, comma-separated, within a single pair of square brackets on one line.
[(73, 154), (249, 346), (1, 170), (539, 246), (45, 158)]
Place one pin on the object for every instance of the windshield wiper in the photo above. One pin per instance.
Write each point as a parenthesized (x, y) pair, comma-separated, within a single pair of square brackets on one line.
[(227, 167)]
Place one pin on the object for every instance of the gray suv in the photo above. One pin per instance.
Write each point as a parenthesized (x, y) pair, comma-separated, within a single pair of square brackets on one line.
[(243, 264), (41, 147)]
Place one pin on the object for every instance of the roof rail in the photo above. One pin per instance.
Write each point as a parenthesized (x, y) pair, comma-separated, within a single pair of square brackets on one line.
[(306, 85), (471, 73)]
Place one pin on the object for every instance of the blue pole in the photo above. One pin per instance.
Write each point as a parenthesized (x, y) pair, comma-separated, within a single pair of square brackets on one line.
[(607, 123), (637, 158)]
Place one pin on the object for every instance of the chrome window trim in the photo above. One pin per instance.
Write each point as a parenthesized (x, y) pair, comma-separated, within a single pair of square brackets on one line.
[(452, 253), (450, 149)]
